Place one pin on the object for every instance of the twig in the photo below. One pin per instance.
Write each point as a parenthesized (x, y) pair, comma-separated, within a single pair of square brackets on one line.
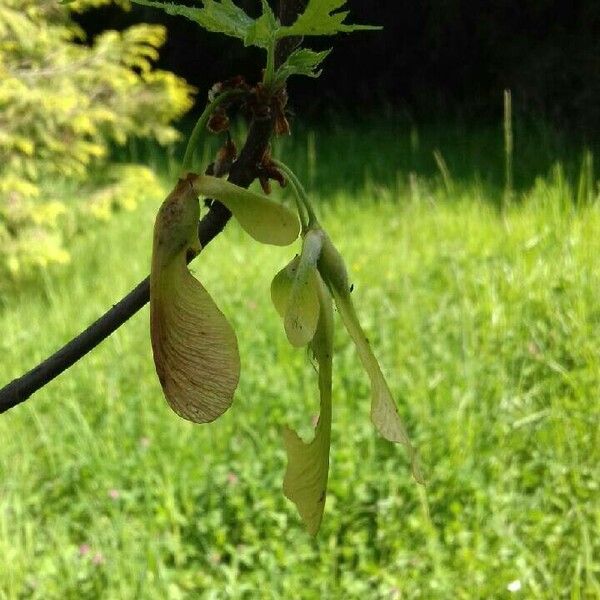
[(243, 172)]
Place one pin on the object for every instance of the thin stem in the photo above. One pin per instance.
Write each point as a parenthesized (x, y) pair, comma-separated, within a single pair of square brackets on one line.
[(201, 126), (300, 191), (300, 208), (270, 68), (288, 13)]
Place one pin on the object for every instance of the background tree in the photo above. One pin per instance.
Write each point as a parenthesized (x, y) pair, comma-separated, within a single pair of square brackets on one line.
[(63, 102)]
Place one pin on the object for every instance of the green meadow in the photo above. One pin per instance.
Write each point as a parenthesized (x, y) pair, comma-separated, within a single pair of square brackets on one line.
[(485, 316)]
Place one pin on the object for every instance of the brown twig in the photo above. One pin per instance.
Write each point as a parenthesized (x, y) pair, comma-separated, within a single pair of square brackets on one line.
[(243, 172)]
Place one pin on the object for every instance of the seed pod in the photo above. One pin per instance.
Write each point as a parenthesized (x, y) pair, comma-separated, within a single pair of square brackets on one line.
[(195, 349), (265, 220), (305, 481), (294, 291), (384, 413)]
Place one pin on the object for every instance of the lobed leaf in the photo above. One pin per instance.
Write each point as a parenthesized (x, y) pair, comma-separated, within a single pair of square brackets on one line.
[(262, 31), (223, 16), (320, 18), (265, 220), (301, 62), (194, 346), (305, 481)]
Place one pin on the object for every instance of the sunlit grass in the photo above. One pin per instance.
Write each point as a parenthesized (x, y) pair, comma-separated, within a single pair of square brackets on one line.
[(488, 327)]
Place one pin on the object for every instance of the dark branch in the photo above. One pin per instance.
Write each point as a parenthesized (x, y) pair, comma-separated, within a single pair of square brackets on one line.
[(242, 173)]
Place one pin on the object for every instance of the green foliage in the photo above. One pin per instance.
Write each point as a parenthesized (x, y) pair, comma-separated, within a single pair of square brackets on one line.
[(199, 379), (487, 328), (62, 103), (218, 16), (223, 16), (318, 19), (301, 62)]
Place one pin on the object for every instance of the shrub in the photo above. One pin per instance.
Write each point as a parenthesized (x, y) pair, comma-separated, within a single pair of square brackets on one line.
[(62, 104)]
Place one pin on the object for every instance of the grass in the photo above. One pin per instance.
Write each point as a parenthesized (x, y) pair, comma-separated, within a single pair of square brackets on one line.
[(488, 327)]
